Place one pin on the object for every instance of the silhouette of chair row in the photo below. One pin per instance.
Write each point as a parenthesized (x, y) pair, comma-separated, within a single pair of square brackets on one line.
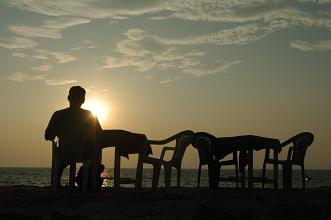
[(202, 141)]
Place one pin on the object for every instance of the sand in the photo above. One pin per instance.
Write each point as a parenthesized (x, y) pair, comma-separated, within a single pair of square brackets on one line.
[(27, 202)]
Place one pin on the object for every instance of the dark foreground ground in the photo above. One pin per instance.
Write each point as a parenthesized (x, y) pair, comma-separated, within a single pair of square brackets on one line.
[(36, 203)]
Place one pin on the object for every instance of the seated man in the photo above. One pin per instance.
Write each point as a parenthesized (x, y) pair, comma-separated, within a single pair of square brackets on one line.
[(71, 124), (74, 123)]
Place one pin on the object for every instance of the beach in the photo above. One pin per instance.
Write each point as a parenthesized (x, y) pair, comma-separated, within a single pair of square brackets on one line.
[(30, 202)]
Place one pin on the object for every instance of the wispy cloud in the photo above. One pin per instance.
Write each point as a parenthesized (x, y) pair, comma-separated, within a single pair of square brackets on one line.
[(294, 12), (17, 43), (311, 46), (25, 77), (211, 68), (49, 29), (170, 79), (90, 8), (144, 51), (59, 82), (19, 54), (238, 35), (60, 57), (87, 44), (42, 68), (63, 57)]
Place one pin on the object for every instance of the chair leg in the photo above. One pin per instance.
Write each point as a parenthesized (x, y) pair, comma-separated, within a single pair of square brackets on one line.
[(263, 174), (235, 158), (199, 174), (303, 177), (156, 175), (139, 172), (86, 169), (287, 175), (243, 176), (178, 176), (167, 175), (55, 178), (218, 175)]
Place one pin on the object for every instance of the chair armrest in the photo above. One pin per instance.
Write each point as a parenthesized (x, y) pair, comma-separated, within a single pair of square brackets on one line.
[(167, 140), (164, 141), (165, 148), (289, 154)]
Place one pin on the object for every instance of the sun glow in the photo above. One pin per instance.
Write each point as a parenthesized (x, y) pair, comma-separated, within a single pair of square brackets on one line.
[(98, 108)]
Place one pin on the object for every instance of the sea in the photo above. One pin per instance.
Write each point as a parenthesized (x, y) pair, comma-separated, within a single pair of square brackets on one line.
[(41, 177)]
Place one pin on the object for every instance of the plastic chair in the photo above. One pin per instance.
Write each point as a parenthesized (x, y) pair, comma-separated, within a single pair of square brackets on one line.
[(295, 156), (183, 140), (76, 146), (203, 142)]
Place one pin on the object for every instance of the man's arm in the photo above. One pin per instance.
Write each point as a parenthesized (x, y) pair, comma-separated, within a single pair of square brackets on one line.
[(50, 132)]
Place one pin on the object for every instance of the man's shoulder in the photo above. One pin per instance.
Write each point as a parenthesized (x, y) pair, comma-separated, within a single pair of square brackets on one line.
[(67, 110), (86, 112), (61, 111)]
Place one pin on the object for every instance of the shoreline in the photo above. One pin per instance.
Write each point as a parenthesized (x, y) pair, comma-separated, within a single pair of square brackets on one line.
[(30, 202)]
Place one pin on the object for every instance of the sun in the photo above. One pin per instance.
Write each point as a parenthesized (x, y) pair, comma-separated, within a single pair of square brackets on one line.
[(98, 109)]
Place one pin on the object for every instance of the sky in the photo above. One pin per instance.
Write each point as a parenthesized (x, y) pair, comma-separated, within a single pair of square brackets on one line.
[(231, 67)]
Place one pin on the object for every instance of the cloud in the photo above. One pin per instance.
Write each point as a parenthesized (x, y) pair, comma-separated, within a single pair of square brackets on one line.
[(42, 68), (270, 16), (316, 1), (311, 46), (87, 44), (62, 57), (170, 79), (19, 54), (25, 77), (238, 35), (117, 9), (17, 43), (59, 82), (49, 29), (192, 10), (211, 68), (143, 51)]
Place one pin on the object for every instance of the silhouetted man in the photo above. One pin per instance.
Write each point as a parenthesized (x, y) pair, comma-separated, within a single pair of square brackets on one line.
[(80, 123), (72, 124)]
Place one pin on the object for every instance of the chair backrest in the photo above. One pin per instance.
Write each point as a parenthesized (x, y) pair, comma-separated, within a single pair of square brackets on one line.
[(202, 142), (183, 140), (76, 142), (300, 144)]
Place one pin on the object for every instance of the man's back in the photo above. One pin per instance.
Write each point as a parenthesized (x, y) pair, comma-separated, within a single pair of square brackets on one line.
[(76, 129)]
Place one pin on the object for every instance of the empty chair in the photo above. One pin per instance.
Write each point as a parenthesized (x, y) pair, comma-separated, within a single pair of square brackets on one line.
[(295, 156), (182, 141), (204, 142)]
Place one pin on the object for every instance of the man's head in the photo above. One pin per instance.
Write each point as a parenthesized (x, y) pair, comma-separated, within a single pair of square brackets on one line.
[(76, 96)]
